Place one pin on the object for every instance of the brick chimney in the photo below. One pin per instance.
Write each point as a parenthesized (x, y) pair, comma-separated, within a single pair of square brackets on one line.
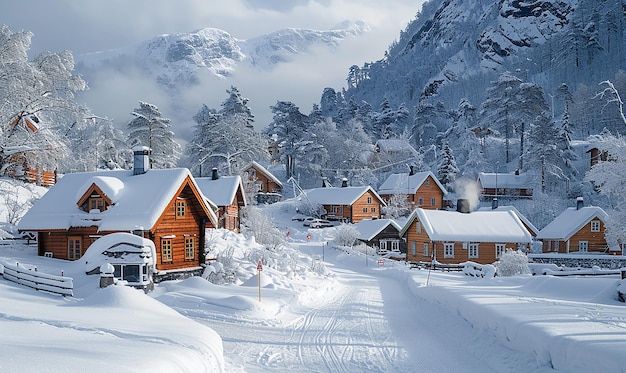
[(580, 203), (463, 206), (214, 174)]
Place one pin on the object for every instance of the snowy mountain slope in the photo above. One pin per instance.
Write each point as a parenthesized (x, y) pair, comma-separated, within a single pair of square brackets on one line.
[(175, 60), (454, 48)]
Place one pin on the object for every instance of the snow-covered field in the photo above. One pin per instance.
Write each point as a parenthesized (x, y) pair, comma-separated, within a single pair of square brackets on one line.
[(331, 311)]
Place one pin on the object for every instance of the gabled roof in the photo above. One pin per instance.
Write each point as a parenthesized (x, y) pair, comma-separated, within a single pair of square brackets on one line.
[(339, 196), (221, 191), (408, 184), (138, 200), (564, 226), (504, 180), (478, 226), (264, 171), (524, 220), (370, 228)]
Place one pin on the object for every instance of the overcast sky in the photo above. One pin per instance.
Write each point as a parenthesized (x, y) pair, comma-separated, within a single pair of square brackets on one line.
[(88, 26)]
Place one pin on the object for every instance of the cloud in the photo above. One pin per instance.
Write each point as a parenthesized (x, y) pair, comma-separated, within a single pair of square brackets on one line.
[(97, 25)]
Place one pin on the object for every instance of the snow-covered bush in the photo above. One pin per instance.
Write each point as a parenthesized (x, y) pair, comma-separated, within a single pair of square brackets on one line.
[(512, 263), (262, 227), (346, 235)]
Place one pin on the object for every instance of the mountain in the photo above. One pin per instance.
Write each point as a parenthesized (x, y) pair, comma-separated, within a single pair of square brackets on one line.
[(453, 49), (175, 61)]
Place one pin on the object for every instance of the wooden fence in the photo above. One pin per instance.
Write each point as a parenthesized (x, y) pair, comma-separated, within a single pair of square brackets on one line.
[(45, 178), (28, 276)]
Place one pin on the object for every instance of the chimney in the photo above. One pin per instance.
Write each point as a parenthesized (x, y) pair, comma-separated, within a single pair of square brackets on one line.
[(579, 203), (324, 181), (494, 203), (344, 182), (411, 171), (141, 160), (214, 174), (463, 206)]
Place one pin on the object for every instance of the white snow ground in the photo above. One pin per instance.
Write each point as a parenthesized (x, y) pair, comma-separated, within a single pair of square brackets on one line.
[(351, 318)]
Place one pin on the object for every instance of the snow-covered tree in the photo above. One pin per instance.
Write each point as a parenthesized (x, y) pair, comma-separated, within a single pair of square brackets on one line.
[(289, 127), (447, 170), (543, 154), (33, 91), (512, 263), (149, 128)]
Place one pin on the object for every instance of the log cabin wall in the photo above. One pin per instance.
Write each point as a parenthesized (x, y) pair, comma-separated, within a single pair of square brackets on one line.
[(366, 207), (429, 193), (180, 225)]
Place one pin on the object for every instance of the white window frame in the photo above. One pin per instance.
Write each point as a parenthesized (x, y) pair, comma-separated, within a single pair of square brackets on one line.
[(448, 250), (413, 248), (418, 227), (472, 250), (595, 225), (500, 249), (583, 246), (426, 248)]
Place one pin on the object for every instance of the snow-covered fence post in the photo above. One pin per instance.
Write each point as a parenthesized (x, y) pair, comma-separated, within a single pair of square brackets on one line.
[(106, 275)]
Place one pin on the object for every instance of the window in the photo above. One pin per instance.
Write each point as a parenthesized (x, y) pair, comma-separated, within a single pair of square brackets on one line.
[(373, 209), (369, 200), (96, 204), (382, 245), (448, 250), (413, 248), (166, 250), (473, 250), (127, 272), (499, 250), (418, 227), (73, 248), (583, 246), (190, 247), (420, 201), (181, 206), (427, 182), (364, 209), (395, 245), (425, 248), (433, 201), (595, 225)]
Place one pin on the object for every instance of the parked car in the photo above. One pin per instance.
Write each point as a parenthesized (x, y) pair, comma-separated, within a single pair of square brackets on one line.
[(307, 221), (320, 223)]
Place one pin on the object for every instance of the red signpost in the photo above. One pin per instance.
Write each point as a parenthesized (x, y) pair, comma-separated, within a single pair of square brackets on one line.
[(259, 268)]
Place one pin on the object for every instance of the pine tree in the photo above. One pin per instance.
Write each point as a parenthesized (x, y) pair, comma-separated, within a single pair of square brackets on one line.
[(149, 128), (447, 170), (289, 127)]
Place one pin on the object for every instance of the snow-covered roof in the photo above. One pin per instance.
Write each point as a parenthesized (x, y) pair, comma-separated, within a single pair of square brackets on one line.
[(519, 215), (504, 180), (477, 226), (138, 200), (338, 196), (405, 183), (564, 226), (263, 170), (369, 228), (221, 191)]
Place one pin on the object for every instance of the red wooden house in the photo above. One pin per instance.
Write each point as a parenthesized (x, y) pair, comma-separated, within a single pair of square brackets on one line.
[(227, 194), (422, 189), (351, 204), (268, 188), (165, 206)]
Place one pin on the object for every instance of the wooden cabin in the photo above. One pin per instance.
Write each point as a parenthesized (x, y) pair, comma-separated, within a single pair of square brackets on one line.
[(26, 161), (349, 204), (504, 186), (579, 229), (453, 237), (227, 194), (381, 234), (165, 206), (422, 189), (268, 188)]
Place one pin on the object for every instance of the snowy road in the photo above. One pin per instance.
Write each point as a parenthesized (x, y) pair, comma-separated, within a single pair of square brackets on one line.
[(364, 322)]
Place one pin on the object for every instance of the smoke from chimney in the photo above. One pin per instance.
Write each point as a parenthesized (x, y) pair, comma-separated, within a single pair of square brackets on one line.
[(468, 189)]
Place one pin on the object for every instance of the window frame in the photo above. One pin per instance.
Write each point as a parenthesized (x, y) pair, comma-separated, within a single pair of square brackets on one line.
[(167, 253), (595, 226), (448, 249), (74, 252), (426, 249), (583, 246), (190, 248), (181, 208), (472, 250), (500, 249)]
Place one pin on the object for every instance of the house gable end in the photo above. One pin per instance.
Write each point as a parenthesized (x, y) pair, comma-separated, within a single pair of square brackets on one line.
[(93, 191)]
